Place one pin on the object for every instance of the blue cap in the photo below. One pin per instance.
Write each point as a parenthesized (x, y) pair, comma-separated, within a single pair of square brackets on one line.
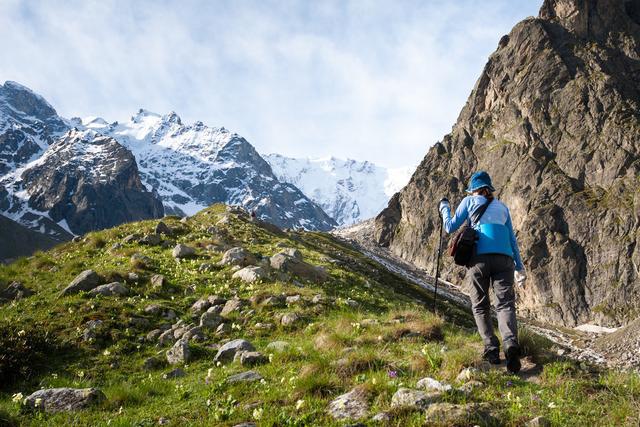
[(479, 180)]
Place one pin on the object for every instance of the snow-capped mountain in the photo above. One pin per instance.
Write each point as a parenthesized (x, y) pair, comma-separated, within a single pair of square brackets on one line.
[(63, 177), (348, 190)]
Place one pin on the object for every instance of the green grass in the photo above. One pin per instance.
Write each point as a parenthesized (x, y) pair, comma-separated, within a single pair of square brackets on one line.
[(389, 340)]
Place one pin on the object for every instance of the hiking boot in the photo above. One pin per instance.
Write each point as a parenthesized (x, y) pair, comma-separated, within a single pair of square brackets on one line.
[(492, 356), (513, 359)]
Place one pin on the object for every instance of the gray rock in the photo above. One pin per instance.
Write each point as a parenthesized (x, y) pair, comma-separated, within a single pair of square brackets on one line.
[(110, 289), (64, 399), (158, 281), (431, 384), (154, 335), (413, 399), (381, 417), (183, 251), (249, 376), (216, 309), (441, 413), (163, 228), (288, 264), (252, 358), (179, 353), (293, 252), (231, 306), (194, 334), (238, 256), (250, 274), (139, 322), (14, 291), (151, 240), (216, 300), (223, 328), (246, 424), (288, 319), (210, 320), (84, 281), (469, 386), (538, 422), (227, 352), (153, 309), (131, 238), (200, 305), (353, 405), (294, 299), (166, 337)]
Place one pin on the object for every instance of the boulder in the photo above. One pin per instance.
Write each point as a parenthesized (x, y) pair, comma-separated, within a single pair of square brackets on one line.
[(158, 281), (210, 320), (231, 306), (413, 399), (200, 305), (353, 405), (288, 319), (183, 251), (227, 352), (252, 358), (441, 413), (84, 281), (248, 376), (250, 274), (166, 337), (238, 256), (64, 399), (14, 291), (163, 228), (110, 289), (179, 353), (288, 264), (151, 240)]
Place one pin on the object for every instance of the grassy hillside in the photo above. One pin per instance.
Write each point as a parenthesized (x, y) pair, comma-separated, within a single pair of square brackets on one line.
[(369, 330)]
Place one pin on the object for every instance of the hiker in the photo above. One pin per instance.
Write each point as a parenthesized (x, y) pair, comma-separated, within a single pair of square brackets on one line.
[(495, 262)]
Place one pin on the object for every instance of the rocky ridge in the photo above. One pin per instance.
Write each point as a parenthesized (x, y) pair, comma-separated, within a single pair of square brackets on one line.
[(554, 118)]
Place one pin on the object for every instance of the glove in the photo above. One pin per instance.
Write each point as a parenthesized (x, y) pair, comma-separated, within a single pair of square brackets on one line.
[(520, 277), (444, 202)]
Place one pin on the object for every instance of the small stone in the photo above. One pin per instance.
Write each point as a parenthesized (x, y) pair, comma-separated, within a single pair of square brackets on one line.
[(194, 334), (162, 421), (110, 289), (64, 399), (227, 352), (151, 240), (210, 320), (158, 281), (264, 326), (179, 353), (466, 374), (183, 251), (216, 300), (249, 376), (318, 299), (153, 309), (216, 309), (274, 301), (131, 238), (200, 305), (163, 228), (231, 306), (238, 256), (431, 384), (350, 406), (84, 281), (413, 399), (154, 335), (250, 274), (252, 358), (176, 373), (469, 386), (288, 319), (133, 277), (294, 299), (442, 413), (381, 417)]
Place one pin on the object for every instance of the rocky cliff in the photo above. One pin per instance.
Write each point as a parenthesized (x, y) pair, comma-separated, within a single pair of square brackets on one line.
[(555, 119)]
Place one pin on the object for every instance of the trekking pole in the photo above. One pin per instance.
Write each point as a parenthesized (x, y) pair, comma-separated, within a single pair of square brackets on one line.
[(435, 290)]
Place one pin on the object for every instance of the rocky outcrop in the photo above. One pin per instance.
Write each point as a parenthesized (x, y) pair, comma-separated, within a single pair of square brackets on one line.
[(555, 119)]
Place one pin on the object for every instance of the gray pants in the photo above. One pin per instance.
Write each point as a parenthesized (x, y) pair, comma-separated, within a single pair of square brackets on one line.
[(493, 270)]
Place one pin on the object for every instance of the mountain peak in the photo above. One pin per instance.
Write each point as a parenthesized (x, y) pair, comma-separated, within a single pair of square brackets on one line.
[(24, 100), (592, 18)]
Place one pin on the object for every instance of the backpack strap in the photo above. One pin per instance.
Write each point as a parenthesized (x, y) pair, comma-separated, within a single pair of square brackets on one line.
[(477, 214)]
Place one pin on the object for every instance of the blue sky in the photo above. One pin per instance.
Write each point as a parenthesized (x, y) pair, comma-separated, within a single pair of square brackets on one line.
[(370, 80)]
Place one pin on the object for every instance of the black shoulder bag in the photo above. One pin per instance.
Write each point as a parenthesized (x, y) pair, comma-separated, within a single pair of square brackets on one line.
[(463, 243)]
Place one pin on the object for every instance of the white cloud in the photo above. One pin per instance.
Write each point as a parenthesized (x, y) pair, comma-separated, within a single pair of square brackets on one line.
[(371, 80)]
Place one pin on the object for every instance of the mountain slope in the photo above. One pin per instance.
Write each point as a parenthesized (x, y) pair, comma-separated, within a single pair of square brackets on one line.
[(346, 346), (20, 241), (555, 119), (348, 190)]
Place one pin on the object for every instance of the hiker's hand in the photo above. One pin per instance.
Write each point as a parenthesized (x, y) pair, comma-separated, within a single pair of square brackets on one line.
[(521, 277), (444, 202)]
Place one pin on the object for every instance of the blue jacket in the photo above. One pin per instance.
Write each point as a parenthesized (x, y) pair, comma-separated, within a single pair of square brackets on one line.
[(495, 231)]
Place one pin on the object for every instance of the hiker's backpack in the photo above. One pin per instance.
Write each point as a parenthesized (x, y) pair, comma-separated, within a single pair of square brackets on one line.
[(462, 246)]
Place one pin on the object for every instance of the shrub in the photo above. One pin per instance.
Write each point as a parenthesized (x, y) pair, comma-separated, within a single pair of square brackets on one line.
[(23, 352)]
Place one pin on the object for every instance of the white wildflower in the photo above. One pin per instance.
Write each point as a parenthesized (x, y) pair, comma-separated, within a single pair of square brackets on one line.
[(17, 397), (299, 404), (257, 413)]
